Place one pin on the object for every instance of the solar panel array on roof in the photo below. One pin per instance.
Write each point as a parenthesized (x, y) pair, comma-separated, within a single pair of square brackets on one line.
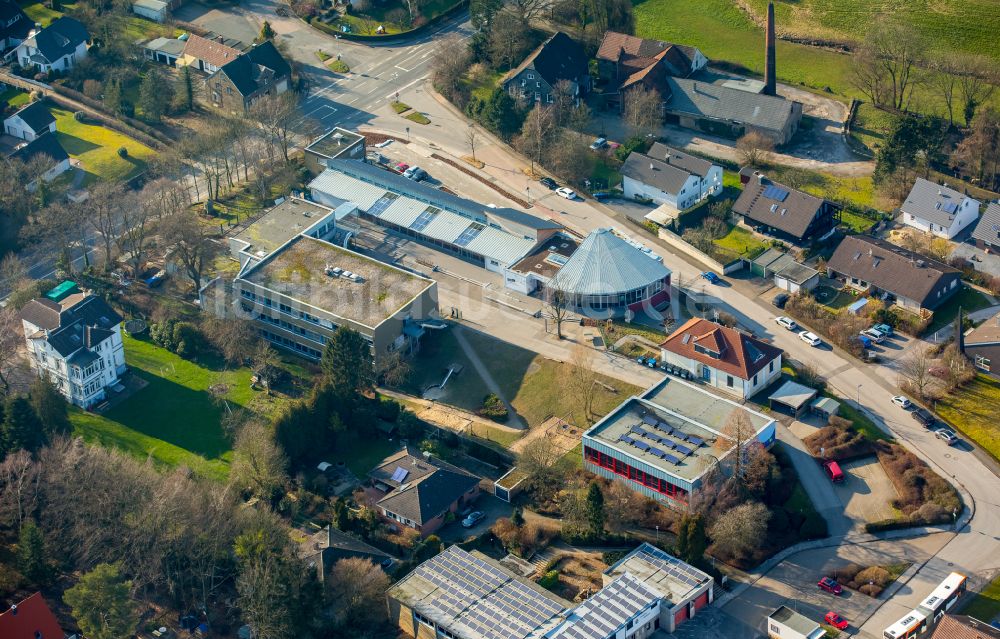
[(773, 192), (608, 610), (469, 234), (671, 565), (400, 473), (950, 207), (424, 219), (382, 204)]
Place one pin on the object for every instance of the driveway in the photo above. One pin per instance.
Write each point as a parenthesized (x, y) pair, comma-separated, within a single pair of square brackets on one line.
[(228, 22), (866, 491), (982, 261), (489, 504)]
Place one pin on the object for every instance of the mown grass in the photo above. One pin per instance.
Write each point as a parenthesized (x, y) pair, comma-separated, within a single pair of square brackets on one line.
[(870, 126), (741, 241), (174, 419), (984, 605), (417, 117), (946, 25), (96, 147), (38, 12), (15, 97), (973, 410), (968, 299)]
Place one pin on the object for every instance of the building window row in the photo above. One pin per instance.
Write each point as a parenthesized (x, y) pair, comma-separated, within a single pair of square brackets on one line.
[(290, 344), (288, 326), (619, 467)]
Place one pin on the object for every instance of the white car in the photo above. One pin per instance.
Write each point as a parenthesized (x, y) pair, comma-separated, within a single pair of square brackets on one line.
[(947, 436), (787, 322), (810, 338), (902, 402), (876, 336), (566, 192)]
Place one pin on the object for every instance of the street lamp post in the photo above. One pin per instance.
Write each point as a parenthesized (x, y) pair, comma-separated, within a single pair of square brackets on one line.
[(859, 395)]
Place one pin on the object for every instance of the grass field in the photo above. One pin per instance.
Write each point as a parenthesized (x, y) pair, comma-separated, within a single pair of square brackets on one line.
[(959, 25), (724, 32), (174, 420), (984, 605), (968, 298), (741, 241), (38, 12), (96, 147), (973, 410)]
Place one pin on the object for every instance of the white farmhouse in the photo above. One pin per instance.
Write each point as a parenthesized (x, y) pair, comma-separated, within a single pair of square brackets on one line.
[(937, 209), (668, 176), (74, 339), (57, 47)]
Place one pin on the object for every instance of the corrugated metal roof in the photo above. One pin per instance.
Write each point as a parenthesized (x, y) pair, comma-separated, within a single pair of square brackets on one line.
[(503, 247), (403, 212), (446, 226), (606, 264), (346, 188)]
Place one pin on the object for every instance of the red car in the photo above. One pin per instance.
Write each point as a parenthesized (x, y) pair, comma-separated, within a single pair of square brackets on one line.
[(836, 620), (402, 166), (830, 585)]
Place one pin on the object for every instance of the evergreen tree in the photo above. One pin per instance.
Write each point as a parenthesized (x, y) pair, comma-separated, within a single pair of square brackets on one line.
[(341, 519), (517, 518), (50, 407), (266, 32), (101, 604), (482, 12), (347, 363), (186, 89), (31, 558), (155, 95), (21, 427), (595, 509), (113, 96), (691, 539)]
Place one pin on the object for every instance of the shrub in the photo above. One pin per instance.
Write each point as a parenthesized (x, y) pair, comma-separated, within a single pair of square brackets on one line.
[(875, 575), (80, 116), (917, 486), (549, 580), (838, 442), (493, 408), (188, 340), (122, 152), (388, 409)]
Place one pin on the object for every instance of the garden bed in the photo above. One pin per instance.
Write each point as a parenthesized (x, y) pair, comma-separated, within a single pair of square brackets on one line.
[(869, 580)]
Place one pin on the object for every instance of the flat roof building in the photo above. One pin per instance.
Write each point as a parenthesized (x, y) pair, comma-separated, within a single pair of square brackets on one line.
[(537, 268), (494, 238), (337, 143), (664, 441)]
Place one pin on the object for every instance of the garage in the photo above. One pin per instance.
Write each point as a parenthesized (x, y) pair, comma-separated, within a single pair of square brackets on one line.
[(791, 398)]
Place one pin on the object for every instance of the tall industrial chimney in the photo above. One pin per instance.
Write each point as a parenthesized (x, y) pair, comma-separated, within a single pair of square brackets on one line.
[(770, 81)]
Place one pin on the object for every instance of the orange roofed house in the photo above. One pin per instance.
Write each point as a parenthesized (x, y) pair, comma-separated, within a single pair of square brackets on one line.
[(30, 619), (722, 357)]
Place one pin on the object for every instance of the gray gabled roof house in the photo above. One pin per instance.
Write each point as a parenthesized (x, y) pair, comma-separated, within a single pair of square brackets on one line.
[(987, 232), (937, 209), (783, 212), (57, 47)]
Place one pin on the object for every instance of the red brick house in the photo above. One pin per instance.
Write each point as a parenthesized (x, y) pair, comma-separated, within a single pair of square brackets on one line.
[(255, 73)]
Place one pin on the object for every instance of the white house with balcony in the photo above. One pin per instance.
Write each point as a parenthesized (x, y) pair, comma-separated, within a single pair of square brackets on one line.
[(74, 338), (668, 176)]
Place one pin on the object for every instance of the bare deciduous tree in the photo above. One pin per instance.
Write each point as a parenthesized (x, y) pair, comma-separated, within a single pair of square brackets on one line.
[(103, 214), (18, 488), (275, 115), (755, 149), (977, 81), (887, 61), (191, 243), (537, 134), (642, 110), (471, 138), (236, 338), (451, 61), (736, 433), (137, 224), (914, 369), (581, 382), (11, 341), (258, 464), (507, 39), (357, 592), (557, 303), (740, 530)]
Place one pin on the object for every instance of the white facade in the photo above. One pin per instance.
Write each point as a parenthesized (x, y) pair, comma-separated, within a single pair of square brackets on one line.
[(25, 51), (18, 128), (694, 190), (727, 382), (82, 386), (967, 213)]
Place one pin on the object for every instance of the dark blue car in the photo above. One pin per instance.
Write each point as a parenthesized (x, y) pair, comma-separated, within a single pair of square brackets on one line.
[(711, 277)]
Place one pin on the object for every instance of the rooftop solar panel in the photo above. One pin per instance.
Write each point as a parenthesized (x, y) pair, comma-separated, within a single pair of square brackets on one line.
[(665, 427), (697, 441), (400, 473), (683, 449), (380, 205), (950, 207), (773, 192), (469, 234), (640, 445), (649, 419), (670, 458)]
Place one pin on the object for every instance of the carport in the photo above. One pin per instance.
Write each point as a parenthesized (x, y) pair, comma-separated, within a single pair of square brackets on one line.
[(825, 406), (791, 398)]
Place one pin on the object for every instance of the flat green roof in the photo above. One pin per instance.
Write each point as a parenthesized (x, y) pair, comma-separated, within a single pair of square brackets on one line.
[(62, 291)]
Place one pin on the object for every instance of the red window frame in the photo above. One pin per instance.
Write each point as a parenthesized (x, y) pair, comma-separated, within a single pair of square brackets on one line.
[(623, 469)]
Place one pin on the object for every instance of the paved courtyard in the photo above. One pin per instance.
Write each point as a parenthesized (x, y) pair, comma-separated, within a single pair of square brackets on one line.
[(866, 491)]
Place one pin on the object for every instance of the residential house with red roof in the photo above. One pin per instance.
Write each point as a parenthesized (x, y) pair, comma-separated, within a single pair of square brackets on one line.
[(625, 61), (722, 357), (30, 619)]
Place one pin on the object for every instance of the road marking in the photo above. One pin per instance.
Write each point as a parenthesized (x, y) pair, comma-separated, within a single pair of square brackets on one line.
[(402, 69), (401, 89)]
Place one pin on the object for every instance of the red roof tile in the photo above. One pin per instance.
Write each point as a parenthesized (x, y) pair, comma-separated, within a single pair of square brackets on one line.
[(31, 616), (739, 354), (963, 627)]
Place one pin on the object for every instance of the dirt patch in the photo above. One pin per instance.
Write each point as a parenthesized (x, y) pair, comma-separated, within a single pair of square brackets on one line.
[(564, 437), (579, 576)]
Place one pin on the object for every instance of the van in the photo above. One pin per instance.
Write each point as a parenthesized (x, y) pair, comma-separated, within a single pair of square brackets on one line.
[(834, 471)]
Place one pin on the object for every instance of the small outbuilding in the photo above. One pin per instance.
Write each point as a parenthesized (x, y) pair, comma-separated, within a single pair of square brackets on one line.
[(825, 406), (791, 398), (155, 10)]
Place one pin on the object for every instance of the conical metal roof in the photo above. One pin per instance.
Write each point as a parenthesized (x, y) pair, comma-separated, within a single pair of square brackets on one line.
[(605, 264)]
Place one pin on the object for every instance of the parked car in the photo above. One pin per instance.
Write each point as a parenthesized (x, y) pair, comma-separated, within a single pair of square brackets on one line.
[(833, 470), (885, 329), (902, 402), (473, 519), (835, 620), (415, 173), (923, 416), (780, 300), (946, 435), (873, 335), (711, 277), (600, 196), (548, 183), (156, 280), (787, 322), (830, 584), (810, 338), (566, 192), (402, 166), (598, 144), (871, 357)]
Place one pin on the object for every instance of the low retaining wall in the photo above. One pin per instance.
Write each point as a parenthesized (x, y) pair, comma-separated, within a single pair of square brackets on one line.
[(676, 242)]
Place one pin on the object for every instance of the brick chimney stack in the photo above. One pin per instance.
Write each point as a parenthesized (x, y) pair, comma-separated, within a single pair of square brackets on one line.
[(770, 82)]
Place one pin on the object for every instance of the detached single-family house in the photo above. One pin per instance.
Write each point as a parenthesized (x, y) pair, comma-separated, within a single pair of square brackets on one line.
[(722, 357), (420, 491), (255, 73), (558, 58), (937, 209), (30, 618), (57, 47), (987, 232), (15, 25), (75, 339), (893, 274), (29, 122), (783, 212), (48, 147), (625, 61), (322, 550), (668, 176), (211, 53), (982, 345)]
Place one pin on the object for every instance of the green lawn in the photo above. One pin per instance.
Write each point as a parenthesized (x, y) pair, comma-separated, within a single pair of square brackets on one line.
[(416, 116), (361, 456), (96, 147), (984, 605), (968, 298), (742, 242), (973, 410), (856, 223), (173, 419), (15, 97), (38, 12), (870, 126), (848, 190)]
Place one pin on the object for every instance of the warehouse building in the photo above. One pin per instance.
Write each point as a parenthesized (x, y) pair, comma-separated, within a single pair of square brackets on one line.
[(494, 238), (662, 443)]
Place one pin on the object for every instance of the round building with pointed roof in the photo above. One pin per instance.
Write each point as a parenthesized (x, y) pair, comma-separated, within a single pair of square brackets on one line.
[(608, 276)]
